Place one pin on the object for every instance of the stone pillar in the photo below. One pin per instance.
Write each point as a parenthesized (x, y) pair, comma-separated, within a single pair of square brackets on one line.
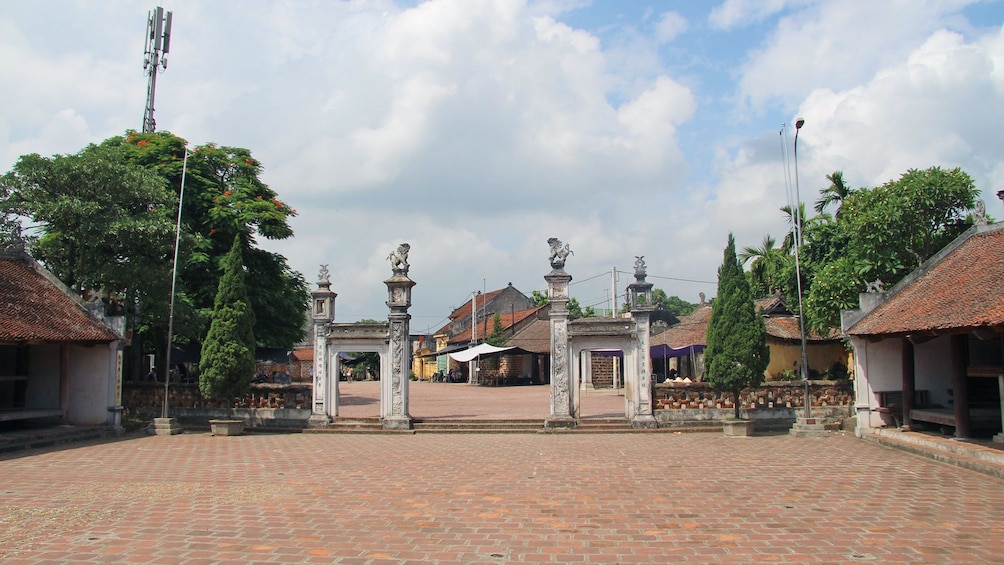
[(586, 362), (640, 398), (394, 412), (561, 375), (322, 312)]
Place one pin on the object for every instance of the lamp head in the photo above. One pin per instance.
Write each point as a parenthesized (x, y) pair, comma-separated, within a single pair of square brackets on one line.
[(799, 122)]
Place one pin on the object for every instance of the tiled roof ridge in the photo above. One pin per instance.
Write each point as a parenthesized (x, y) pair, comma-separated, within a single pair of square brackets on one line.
[(933, 260), (863, 318), (61, 315)]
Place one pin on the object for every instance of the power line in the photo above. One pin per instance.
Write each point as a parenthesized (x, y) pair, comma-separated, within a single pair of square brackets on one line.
[(672, 278), (603, 274)]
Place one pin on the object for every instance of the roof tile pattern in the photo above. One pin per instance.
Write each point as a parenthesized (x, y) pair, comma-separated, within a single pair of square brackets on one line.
[(485, 326), (690, 331), (34, 310), (535, 337), (961, 291)]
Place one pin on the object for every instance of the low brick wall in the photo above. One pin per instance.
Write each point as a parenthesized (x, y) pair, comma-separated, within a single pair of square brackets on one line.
[(266, 405), (775, 403)]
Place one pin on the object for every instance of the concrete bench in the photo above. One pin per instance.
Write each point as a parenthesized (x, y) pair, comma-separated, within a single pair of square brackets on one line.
[(891, 403), (978, 417), (28, 414)]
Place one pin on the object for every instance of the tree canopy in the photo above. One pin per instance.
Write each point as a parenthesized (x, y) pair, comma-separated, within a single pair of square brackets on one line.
[(104, 218), (880, 233), (737, 353)]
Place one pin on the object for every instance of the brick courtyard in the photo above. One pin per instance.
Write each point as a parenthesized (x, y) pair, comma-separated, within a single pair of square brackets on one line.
[(518, 498)]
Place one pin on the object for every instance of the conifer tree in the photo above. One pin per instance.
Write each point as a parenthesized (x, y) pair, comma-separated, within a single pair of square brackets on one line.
[(497, 337), (737, 353), (228, 362)]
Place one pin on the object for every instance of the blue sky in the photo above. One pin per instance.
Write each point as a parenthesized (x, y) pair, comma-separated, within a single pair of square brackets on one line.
[(477, 129)]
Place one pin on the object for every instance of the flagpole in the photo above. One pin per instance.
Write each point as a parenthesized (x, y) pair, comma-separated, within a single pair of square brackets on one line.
[(174, 282)]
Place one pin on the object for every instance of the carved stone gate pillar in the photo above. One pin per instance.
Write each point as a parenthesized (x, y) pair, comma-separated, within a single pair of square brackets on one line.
[(640, 398), (394, 391), (322, 312), (561, 375)]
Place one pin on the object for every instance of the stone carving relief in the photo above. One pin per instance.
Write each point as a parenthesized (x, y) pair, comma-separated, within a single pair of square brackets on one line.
[(559, 346), (397, 339)]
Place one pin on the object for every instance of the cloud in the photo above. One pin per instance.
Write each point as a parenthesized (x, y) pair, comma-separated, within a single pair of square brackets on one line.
[(735, 13), (477, 129), (938, 106), (670, 26), (837, 44)]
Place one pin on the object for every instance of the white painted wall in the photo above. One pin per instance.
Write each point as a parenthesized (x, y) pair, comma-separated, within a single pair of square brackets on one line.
[(89, 374), (933, 360), (878, 367)]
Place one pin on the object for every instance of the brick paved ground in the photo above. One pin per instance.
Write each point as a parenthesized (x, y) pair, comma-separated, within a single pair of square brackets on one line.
[(530, 498), (461, 400)]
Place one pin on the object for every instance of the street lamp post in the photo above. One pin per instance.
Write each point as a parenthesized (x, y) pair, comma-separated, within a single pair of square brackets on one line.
[(798, 275), (474, 363), (165, 425)]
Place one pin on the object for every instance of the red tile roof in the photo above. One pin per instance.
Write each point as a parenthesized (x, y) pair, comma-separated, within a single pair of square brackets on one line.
[(465, 310), (535, 337), (691, 330), (485, 326), (959, 290), (304, 354), (35, 309)]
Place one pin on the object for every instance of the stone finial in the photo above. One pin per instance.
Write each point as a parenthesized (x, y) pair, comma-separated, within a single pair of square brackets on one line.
[(399, 259), (980, 214), (704, 302), (874, 286), (639, 265), (559, 252), (324, 276)]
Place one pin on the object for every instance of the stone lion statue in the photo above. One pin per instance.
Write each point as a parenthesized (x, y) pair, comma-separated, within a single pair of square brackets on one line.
[(559, 252), (399, 259)]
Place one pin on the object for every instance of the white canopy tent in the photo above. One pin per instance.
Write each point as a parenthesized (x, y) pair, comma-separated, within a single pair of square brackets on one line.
[(478, 350)]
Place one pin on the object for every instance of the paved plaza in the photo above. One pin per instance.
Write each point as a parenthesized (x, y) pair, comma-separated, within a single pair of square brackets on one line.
[(509, 498), (464, 401)]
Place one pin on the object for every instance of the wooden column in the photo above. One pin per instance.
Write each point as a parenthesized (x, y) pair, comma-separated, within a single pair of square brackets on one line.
[(959, 386), (64, 381), (909, 382)]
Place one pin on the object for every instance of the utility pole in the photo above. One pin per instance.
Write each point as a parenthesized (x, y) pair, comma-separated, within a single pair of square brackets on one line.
[(158, 43), (613, 292)]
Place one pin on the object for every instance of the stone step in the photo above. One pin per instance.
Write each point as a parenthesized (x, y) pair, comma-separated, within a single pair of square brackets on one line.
[(490, 426), (459, 426), (51, 436)]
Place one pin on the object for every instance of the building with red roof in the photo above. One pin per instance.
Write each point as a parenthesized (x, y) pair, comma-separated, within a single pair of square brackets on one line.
[(931, 349), (60, 358)]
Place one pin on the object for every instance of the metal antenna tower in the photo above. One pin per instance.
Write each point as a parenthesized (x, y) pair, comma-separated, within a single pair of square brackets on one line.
[(158, 43)]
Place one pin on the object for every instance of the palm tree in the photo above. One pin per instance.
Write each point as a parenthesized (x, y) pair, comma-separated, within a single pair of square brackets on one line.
[(833, 194), (788, 244), (767, 264)]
